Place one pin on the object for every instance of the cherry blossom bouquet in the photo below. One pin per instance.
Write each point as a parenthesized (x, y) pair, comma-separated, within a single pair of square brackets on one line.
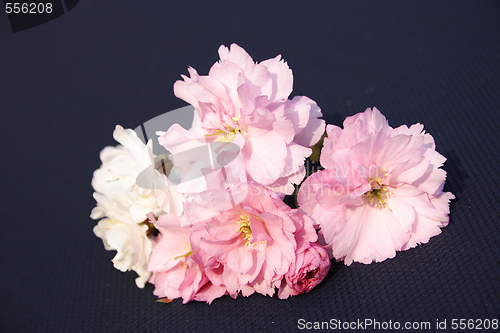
[(207, 218)]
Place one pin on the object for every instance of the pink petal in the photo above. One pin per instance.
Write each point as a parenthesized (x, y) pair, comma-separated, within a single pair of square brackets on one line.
[(409, 171), (204, 95), (177, 139), (236, 55), (432, 180), (378, 225), (209, 292), (404, 212), (240, 259), (264, 161), (295, 158), (423, 229), (259, 82), (442, 202), (397, 149), (283, 126), (343, 230), (223, 232), (363, 252), (281, 76), (259, 231), (309, 127), (298, 110), (173, 244), (423, 207), (375, 121)]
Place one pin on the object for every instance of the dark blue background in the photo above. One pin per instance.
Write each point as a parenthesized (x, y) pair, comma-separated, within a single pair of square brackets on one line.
[(65, 84)]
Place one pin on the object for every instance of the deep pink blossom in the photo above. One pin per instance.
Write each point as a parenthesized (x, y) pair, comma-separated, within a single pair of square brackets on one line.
[(380, 192), (250, 246), (311, 264), (309, 269)]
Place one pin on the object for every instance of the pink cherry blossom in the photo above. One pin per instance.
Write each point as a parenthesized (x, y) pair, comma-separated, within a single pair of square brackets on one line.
[(176, 271), (249, 247), (247, 103), (380, 192)]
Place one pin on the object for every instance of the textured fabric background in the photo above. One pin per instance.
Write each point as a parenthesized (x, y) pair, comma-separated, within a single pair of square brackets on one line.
[(65, 84)]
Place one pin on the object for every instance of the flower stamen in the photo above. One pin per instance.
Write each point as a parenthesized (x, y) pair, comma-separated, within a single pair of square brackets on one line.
[(379, 194), (186, 255), (245, 228), (229, 133), (113, 222)]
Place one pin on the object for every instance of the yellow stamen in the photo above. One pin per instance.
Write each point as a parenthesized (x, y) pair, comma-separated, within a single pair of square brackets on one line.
[(112, 222), (190, 252), (245, 228), (229, 134), (379, 194)]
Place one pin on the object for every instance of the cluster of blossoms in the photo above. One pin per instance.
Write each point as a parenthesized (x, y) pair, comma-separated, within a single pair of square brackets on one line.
[(210, 227)]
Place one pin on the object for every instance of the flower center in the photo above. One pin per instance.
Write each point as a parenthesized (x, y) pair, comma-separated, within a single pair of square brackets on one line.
[(245, 228), (378, 195), (228, 133)]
